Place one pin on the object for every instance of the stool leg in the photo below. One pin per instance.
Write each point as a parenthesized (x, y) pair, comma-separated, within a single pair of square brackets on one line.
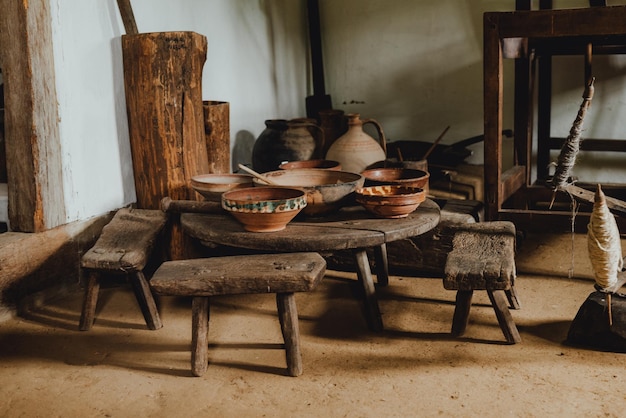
[(364, 273), (513, 298), (89, 303), (382, 264), (146, 300), (288, 317), (461, 312), (199, 335), (498, 300)]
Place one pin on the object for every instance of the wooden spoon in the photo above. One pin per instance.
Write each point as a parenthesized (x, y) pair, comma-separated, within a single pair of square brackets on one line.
[(257, 175)]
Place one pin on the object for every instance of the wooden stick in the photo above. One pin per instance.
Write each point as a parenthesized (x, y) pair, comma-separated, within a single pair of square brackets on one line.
[(192, 206), (432, 147), (128, 17)]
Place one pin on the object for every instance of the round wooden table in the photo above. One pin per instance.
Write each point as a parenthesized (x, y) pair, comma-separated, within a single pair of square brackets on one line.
[(351, 228)]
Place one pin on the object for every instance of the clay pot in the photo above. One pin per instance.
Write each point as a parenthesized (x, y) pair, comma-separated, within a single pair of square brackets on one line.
[(356, 150), (390, 201), (286, 140), (264, 209)]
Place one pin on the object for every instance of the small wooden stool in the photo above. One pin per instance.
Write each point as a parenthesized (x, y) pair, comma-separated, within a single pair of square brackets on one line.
[(282, 274), (483, 258), (123, 247)]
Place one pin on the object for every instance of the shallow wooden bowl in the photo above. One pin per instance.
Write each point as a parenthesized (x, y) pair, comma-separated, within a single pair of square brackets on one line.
[(397, 176), (211, 186), (264, 209), (320, 164), (390, 201), (326, 190)]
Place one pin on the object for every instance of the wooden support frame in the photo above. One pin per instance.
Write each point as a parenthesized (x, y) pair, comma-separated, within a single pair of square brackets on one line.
[(32, 137), (565, 31)]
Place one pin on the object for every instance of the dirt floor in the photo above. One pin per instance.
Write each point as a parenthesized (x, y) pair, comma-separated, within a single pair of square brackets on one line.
[(414, 368)]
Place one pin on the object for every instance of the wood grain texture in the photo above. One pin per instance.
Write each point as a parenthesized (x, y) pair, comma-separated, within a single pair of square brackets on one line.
[(248, 274), (126, 242), (217, 135)]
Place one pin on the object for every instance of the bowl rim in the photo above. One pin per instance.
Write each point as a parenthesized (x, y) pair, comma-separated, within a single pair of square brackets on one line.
[(353, 178), (412, 190), (198, 179), (298, 193), (424, 174)]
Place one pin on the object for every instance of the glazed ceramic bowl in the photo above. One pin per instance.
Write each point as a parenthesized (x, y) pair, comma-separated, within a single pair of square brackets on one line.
[(397, 176), (320, 164), (264, 209), (390, 201), (211, 186), (326, 190)]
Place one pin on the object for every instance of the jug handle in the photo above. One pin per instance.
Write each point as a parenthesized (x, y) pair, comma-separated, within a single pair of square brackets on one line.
[(381, 134)]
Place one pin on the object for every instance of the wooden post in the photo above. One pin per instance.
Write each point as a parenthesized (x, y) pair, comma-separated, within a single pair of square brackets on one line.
[(163, 84), (217, 135)]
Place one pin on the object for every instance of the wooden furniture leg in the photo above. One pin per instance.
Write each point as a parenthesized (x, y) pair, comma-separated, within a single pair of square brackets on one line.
[(382, 265), (507, 325), (461, 312), (146, 300), (199, 335), (89, 303), (364, 274), (288, 316)]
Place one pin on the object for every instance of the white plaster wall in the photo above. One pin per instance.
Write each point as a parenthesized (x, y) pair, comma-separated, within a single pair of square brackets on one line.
[(414, 65)]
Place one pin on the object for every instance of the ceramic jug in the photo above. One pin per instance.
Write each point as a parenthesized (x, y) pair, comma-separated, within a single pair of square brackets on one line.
[(286, 140), (356, 150)]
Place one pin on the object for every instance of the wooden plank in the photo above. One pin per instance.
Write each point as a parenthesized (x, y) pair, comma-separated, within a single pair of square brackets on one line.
[(601, 21), (126, 242), (32, 138), (511, 181), (217, 135), (615, 205), (257, 273)]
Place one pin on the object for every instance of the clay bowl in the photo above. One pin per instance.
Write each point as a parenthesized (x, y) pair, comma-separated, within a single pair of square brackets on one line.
[(326, 190), (264, 209), (211, 186), (397, 176), (321, 164), (390, 201)]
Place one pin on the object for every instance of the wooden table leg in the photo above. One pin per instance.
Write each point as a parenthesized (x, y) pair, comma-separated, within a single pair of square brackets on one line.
[(499, 302), (288, 315), (199, 335), (382, 265), (364, 273)]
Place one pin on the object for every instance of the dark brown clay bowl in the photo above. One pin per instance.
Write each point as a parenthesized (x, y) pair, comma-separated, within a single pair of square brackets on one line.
[(211, 186), (326, 190), (390, 201), (397, 176), (320, 164), (264, 209)]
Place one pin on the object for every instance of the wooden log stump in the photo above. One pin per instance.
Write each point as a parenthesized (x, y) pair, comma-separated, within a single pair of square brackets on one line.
[(217, 135), (163, 85)]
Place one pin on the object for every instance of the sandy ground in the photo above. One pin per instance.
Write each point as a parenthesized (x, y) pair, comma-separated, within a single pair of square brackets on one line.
[(414, 368)]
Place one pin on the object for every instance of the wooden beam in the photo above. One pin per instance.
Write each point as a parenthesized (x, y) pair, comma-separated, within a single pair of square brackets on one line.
[(34, 169)]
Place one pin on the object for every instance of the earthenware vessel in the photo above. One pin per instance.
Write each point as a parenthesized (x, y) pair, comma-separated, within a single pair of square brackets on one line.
[(356, 150), (390, 201), (264, 209), (286, 140)]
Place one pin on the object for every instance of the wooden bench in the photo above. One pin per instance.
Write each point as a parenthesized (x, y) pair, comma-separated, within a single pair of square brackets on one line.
[(483, 258), (282, 274), (123, 247)]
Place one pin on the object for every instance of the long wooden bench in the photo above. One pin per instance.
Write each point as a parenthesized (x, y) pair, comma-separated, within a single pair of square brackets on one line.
[(202, 278), (124, 247)]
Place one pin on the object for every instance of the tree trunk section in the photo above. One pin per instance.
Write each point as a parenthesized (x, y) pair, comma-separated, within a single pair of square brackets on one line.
[(163, 84), (217, 135)]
